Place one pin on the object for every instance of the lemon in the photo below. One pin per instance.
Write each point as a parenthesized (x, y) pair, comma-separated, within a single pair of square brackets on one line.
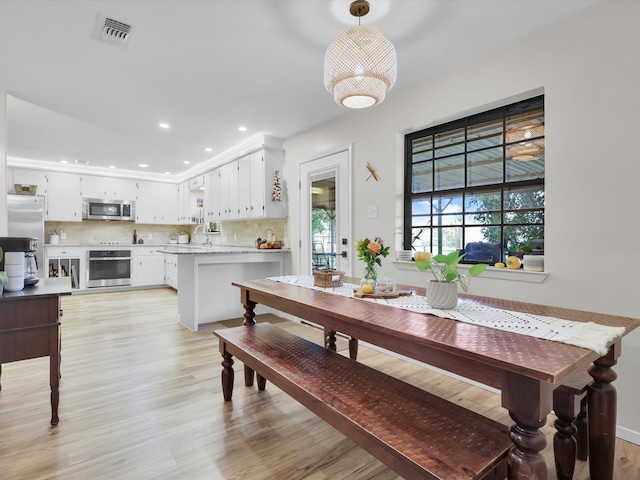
[(367, 288), (513, 262), (500, 265), (424, 256)]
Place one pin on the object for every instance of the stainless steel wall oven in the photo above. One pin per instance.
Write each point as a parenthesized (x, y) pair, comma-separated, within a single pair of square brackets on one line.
[(108, 268)]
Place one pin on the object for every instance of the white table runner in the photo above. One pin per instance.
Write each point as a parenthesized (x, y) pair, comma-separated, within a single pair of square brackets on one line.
[(581, 334)]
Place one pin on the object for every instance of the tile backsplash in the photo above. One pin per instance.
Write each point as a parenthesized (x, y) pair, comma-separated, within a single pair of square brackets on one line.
[(242, 233)]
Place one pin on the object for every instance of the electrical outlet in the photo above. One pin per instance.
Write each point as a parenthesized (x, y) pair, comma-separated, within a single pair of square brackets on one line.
[(63, 235), (149, 236), (372, 211)]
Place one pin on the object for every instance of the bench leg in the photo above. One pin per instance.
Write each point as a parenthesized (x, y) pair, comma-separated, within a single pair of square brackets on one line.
[(262, 382), (353, 348), (582, 437), (227, 376), (248, 376), (564, 441)]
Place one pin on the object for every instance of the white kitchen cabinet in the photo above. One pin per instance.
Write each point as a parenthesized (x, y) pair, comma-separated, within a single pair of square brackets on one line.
[(211, 192), (157, 203), (171, 270), (221, 210), (26, 176), (257, 183), (148, 267), (67, 262), (64, 202), (233, 190), (93, 186)]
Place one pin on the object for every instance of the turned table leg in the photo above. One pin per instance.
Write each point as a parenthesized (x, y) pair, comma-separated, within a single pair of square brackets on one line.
[(330, 340), (565, 406), (249, 320), (529, 402), (353, 348), (602, 397)]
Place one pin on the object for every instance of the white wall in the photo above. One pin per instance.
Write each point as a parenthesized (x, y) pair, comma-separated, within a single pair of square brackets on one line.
[(588, 68), (3, 162)]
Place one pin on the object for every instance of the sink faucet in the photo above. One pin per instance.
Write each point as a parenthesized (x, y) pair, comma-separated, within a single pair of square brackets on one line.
[(204, 230)]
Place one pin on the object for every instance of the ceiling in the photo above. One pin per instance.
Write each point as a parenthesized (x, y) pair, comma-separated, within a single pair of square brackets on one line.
[(209, 67)]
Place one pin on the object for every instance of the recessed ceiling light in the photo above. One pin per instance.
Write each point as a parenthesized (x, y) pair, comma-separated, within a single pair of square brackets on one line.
[(63, 161), (167, 173), (112, 166), (208, 149), (242, 129), (187, 162), (164, 125), (143, 165)]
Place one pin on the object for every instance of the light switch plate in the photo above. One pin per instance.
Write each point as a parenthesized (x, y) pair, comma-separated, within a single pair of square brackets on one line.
[(372, 211)]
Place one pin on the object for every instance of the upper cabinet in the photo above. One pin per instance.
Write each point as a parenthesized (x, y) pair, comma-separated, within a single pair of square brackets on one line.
[(26, 176), (157, 203), (64, 202), (93, 186), (250, 187)]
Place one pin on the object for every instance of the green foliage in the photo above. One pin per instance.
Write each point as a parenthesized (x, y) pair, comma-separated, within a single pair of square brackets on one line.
[(445, 269), (3, 276), (524, 217)]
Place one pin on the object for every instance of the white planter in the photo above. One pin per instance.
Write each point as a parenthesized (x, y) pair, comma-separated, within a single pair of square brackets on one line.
[(442, 295), (54, 239), (533, 263)]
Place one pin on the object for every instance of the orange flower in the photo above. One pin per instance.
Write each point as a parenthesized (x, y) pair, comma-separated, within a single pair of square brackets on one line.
[(374, 248)]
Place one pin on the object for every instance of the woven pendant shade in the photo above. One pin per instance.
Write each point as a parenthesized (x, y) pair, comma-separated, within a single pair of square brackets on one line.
[(360, 67), (530, 142)]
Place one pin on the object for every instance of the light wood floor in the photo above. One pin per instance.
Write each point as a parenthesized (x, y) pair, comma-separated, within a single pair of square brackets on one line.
[(140, 399)]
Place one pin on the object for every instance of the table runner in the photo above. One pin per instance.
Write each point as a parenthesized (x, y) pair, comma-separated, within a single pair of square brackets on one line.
[(589, 335)]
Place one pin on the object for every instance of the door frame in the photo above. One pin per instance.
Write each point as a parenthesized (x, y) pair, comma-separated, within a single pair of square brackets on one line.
[(331, 161)]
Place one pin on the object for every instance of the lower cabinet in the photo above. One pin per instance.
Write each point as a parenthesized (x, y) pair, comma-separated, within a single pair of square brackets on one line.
[(66, 262), (171, 270), (149, 267)]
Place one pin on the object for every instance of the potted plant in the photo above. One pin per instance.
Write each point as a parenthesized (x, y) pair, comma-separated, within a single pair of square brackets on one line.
[(3, 276), (442, 291)]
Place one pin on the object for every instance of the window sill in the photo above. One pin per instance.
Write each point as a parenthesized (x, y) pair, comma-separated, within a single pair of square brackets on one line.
[(491, 272)]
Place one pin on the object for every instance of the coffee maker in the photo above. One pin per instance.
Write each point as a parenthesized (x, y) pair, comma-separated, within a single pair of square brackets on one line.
[(28, 245)]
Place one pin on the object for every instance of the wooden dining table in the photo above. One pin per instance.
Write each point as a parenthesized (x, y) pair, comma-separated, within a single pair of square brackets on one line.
[(525, 369)]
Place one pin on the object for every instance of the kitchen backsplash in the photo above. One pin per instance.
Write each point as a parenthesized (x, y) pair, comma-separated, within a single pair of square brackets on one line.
[(242, 233)]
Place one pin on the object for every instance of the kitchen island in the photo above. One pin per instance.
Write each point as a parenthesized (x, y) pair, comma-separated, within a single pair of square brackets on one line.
[(30, 328), (205, 274)]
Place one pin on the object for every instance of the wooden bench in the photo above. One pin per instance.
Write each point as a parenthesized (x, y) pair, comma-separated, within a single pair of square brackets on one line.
[(416, 434)]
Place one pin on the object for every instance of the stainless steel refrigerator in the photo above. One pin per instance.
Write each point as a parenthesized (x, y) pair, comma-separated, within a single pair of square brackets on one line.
[(26, 219)]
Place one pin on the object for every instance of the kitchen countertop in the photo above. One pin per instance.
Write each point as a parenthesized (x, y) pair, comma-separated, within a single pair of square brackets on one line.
[(202, 249), (45, 286)]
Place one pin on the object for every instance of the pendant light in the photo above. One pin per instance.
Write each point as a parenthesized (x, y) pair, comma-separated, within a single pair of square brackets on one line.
[(360, 65)]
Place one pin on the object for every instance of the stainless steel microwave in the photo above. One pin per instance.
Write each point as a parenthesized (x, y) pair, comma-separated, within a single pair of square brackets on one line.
[(99, 209)]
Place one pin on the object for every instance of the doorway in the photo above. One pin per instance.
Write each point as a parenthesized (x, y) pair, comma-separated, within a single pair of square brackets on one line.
[(325, 213)]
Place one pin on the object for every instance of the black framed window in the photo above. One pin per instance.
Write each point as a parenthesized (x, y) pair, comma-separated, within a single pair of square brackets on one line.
[(477, 184)]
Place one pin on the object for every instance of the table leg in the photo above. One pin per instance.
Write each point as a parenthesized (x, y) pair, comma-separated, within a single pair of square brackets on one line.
[(330, 340), (227, 376), (602, 412), (529, 402), (249, 320)]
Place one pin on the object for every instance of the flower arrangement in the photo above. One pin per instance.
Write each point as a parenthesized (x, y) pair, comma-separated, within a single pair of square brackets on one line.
[(370, 252), (445, 269)]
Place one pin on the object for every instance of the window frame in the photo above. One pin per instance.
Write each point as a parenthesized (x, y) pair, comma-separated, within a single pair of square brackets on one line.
[(502, 114)]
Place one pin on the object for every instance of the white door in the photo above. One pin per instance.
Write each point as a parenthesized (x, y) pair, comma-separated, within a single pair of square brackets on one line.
[(331, 173)]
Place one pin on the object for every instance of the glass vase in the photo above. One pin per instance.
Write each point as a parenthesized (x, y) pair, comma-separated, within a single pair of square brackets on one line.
[(370, 274)]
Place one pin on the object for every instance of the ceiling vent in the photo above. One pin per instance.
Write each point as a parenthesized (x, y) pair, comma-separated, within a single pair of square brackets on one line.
[(114, 32), (82, 162)]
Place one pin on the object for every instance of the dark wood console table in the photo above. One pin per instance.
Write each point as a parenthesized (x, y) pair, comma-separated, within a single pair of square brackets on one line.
[(29, 328), (525, 369)]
